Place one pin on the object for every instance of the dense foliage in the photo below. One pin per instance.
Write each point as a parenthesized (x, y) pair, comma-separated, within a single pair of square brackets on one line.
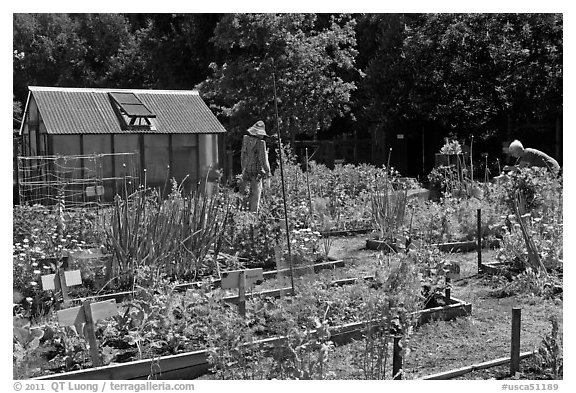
[(469, 74)]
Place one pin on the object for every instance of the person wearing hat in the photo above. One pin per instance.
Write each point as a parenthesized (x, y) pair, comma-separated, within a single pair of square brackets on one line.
[(254, 160), (530, 158)]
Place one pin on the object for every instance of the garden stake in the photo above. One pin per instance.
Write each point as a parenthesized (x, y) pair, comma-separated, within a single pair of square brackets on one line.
[(515, 347), (240, 279), (388, 163), (486, 170), (282, 181), (88, 313), (447, 291), (397, 358), (479, 238), (308, 186), (242, 293), (471, 165), (91, 334), (61, 277)]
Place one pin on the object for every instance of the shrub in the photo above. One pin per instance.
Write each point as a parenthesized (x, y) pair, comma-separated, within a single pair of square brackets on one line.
[(541, 190)]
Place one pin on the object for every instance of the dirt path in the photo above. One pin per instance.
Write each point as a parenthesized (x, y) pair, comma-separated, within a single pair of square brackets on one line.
[(446, 345)]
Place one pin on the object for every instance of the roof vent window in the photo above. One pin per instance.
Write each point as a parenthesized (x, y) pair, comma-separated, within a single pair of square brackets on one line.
[(133, 114)]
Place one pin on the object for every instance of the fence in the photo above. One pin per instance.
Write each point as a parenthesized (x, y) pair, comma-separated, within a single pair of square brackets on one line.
[(78, 180)]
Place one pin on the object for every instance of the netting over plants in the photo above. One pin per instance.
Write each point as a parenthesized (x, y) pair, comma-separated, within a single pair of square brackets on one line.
[(77, 180)]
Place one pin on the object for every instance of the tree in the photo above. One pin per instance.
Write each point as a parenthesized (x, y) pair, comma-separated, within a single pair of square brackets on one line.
[(178, 48), (304, 62), (76, 50), (472, 72)]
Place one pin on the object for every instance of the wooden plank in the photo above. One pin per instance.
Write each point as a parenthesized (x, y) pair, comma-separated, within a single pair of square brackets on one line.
[(60, 282), (242, 293), (90, 253), (231, 279), (457, 309), (139, 369), (273, 273), (217, 283), (91, 333), (350, 281), (515, 343), (397, 359), (479, 237), (345, 232), (456, 246), (194, 364), (467, 369), (75, 315), (317, 267), (496, 268), (49, 282), (275, 293)]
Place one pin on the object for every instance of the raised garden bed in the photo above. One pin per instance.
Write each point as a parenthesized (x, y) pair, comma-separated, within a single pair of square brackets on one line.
[(347, 232), (466, 246), (463, 246), (480, 366), (495, 268), (191, 365), (300, 270), (379, 245)]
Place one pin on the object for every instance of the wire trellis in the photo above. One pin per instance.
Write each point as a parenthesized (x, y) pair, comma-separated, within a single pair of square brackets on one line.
[(81, 181)]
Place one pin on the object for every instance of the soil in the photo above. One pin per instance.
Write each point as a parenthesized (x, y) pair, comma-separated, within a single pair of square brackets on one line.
[(441, 346)]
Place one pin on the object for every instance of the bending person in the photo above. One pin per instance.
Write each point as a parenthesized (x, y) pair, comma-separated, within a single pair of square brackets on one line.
[(531, 158)]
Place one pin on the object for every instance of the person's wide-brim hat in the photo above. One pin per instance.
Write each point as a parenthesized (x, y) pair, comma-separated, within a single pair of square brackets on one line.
[(258, 129)]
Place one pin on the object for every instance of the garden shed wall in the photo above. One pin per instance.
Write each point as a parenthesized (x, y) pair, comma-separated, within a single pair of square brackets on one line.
[(181, 143)]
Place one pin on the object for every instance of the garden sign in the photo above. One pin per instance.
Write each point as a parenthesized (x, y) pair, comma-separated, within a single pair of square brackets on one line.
[(240, 279)]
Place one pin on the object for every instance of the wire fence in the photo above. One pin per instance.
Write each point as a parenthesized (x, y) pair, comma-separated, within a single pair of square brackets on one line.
[(80, 181)]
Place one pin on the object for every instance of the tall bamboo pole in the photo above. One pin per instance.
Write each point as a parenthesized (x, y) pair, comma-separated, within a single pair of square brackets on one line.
[(283, 185)]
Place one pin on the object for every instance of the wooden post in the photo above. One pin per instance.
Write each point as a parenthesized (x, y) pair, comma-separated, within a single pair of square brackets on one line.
[(479, 236), (515, 347), (61, 277), (308, 189), (447, 291), (397, 358), (242, 293), (91, 334)]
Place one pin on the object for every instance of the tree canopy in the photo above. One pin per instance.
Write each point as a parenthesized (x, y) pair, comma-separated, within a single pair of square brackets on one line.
[(469, 74), (290, 51)]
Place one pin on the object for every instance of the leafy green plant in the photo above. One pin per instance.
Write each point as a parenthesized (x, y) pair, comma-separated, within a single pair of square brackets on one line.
[(305, 354), (541, 191), (450, 179), (26, 341), (173, 235), (545, 235), (549, 353), (533, 283), (432, 267), (389, 314), (388, 210)]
